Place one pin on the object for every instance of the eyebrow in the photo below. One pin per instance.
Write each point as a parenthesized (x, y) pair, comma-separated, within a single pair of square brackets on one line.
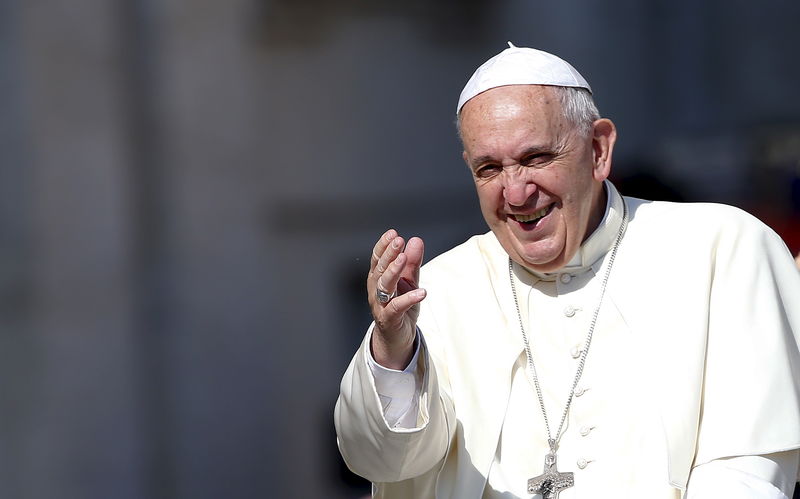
[(527, 152)]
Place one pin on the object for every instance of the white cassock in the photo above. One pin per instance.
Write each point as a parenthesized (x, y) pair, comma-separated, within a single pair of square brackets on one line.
[(693, 363)]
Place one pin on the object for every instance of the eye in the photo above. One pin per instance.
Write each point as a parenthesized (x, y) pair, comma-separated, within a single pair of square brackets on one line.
[(537, 159), (488, 170)]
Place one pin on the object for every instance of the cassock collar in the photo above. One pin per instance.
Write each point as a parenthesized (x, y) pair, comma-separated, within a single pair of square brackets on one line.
[(591, 252)]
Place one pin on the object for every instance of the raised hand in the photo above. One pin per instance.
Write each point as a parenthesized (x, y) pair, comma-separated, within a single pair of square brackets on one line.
[(394, 297)]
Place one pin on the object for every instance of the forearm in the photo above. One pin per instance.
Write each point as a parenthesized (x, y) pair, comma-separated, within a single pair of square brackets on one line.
[(373, 448), (399, 390)]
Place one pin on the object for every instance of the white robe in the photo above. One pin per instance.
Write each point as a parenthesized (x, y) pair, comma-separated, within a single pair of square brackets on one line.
[(694, 359)]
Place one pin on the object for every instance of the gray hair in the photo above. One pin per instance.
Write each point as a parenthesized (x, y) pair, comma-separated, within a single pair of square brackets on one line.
[(579, 108)]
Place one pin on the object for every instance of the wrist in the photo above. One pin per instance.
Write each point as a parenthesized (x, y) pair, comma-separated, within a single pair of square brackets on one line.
[(395, 353)]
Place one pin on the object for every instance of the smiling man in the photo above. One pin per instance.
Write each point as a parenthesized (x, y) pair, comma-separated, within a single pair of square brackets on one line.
[(590, 345), (539, 179)]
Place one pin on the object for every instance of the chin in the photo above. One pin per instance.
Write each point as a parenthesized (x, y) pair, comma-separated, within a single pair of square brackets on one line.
[(550, 259), (548, 266), (539, 262)]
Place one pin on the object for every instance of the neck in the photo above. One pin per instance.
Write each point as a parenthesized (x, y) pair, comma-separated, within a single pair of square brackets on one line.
[(598, 211)]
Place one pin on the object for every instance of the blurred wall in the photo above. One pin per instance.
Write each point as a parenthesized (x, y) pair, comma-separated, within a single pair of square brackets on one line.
[(191, 190)]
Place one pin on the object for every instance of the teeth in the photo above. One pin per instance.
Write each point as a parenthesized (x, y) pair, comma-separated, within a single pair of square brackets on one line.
[(530, 218)]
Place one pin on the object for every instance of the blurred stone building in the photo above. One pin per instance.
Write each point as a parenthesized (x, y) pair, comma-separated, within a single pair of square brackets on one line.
[(190, 192)]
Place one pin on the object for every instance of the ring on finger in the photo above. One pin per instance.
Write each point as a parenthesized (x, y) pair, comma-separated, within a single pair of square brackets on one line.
[(383, 296)]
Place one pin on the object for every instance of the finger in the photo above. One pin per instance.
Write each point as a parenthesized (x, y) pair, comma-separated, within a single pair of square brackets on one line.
[(394, 248), (415, 252), (392, 315), (388, 280), (380, 247)]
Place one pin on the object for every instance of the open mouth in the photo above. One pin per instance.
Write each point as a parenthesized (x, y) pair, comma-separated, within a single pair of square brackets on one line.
[(533, 218)]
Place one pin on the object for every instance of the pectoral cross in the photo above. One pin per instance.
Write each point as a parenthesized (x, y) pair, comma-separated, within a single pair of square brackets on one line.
[(550, 483)]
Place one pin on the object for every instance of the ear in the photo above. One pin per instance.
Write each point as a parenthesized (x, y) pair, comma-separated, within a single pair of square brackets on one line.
[(604, 135), (466, 159)]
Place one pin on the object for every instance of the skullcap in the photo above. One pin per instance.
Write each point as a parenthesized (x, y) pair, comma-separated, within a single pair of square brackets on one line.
[(521, 66)]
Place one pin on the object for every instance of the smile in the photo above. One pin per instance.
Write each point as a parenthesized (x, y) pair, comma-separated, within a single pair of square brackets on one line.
[(533, 217)]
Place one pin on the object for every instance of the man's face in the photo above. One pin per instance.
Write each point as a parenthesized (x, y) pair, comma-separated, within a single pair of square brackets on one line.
[(539, 182)]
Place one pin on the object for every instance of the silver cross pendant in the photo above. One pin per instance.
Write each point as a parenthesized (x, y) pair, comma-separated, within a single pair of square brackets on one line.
[(550, 483)]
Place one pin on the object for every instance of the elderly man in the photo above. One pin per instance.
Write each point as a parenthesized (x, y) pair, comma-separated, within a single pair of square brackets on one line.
[(590, 345)]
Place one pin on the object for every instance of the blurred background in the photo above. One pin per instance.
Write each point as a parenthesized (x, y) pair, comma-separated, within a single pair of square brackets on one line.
[(190, 191)]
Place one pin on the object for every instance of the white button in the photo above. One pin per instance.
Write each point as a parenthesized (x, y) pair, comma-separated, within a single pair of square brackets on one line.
[(582, 463), (576, 351), (565, 278), (580, 391), (569, 311), (586, 430)]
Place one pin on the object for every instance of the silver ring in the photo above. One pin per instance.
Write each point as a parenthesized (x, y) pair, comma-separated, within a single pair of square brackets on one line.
[(383, 296)]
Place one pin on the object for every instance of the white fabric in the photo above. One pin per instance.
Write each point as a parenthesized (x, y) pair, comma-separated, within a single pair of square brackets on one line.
[(521, 66), (708, 321), (398, 391), (595, 438), (746, 477)]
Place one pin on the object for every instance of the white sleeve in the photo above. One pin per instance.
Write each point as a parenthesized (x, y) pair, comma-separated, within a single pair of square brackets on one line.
[(771, 476), (398, 390)]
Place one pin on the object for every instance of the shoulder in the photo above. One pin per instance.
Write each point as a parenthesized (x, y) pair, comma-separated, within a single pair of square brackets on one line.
[(694, 222), (699, 212), (673, 240)]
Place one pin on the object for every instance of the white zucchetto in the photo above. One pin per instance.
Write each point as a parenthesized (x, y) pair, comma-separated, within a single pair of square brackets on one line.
[(521, 66)]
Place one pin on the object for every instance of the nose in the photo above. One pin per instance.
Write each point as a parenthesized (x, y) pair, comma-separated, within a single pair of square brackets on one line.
[(517, 187)]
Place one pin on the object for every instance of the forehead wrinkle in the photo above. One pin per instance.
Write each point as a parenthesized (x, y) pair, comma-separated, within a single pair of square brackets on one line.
[(541, 127)]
